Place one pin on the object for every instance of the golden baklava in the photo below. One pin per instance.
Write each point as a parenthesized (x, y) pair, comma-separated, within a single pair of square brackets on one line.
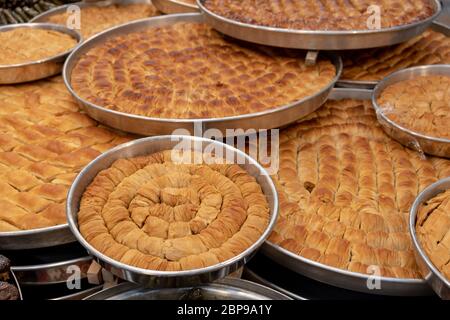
[(157, 213), (421, 104), (373, 65), (188, 70), (94, 19), (44, 142), (22, 45), (345, 191), (433, 231), (322, 15)]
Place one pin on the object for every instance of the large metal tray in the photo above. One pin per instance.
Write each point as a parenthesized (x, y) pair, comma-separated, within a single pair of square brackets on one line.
[(274, 118), (343, 83), (174, 6), (338, 277), (153, 278), (419, 142), (433, 276), (225, 289), (317, 40)]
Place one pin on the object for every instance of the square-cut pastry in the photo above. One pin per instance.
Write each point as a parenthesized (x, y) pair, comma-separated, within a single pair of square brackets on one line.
[(323, 14), (345, 191), (433, 231), (44, 142), (155, 213), (189, 71), (421, 104)]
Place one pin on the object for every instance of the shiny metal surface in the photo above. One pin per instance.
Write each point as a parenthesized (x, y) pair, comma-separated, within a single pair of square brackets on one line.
[(225, 289), (343, 83), (174, 6), (317, 40), (338, 277), (434, 277), (274, 118), (155, 278), (411, 139), (13, 280), (35, 70)]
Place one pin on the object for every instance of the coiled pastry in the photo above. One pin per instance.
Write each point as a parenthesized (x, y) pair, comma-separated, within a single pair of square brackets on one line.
[(155, 213)]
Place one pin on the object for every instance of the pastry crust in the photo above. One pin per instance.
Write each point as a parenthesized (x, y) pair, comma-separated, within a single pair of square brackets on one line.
[(433, 231), (345, 190), (188, 70), (431, 47), (21, 45), (321, 15), (96, 19), (421, 104), (44, 142), (155, 213)]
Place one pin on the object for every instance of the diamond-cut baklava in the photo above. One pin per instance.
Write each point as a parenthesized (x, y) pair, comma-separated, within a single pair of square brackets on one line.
[(156, 213), (188, 70)]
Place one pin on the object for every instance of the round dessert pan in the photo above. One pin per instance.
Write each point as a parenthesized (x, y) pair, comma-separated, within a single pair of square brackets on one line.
[(153, 278), (317, 40), (35, 70), (432, 275), (36, 238), (338, 277), (174, 6), (431, 145), (269, 119), (225, 289), (345, 83)]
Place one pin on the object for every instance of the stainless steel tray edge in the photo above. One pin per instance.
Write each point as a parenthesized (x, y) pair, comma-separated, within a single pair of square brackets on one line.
[(174, 6)]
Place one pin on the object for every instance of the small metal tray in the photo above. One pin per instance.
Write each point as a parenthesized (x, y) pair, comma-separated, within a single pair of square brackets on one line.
[(419, 142), (35, 70), (174, 6), (317, 40), (225, 289), (344, 83), (155, 278), (338, 277), (269, 119), (432, 275)]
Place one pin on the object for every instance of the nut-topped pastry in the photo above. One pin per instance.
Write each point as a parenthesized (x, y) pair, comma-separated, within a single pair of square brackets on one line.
[(431, 47), (94, 19), (188, 70), (44, 142), (421, 104), (433, 231), (22, 45), (321, 15), (157, 213), (345, 191)]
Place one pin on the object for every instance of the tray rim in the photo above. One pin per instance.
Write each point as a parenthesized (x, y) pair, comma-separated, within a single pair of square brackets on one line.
[(184, 5)]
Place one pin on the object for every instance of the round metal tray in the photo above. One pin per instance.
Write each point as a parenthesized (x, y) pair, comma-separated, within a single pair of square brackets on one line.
[(155, 278), (174, 6), (344, 83), (274, 118), (317, 40), (435, 146), (225, 289), (338, 277), (434, 277), (39, 69)]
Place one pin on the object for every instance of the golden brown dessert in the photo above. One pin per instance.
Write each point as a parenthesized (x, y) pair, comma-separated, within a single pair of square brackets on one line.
[(188, 70), (155, 213), (373, 65), (345, 191), (44, 142), (321, 15), (22, 45), (421, 105), (433, 231), (96, 19)]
